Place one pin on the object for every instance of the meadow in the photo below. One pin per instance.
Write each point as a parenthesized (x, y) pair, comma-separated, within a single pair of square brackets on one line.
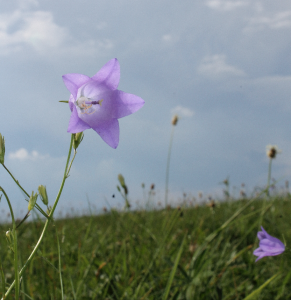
[(186, 252)]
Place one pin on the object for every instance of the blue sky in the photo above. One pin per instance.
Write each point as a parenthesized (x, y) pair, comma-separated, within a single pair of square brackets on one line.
[(223, 66)]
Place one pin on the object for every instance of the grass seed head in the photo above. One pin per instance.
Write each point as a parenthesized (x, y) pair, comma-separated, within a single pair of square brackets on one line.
[(272, 151), (175, 120)]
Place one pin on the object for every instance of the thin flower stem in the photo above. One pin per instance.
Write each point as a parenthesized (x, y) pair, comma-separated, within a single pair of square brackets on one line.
[(45, 225), (269, 176), (2, 277), (64, 179), (60, 264), (24, 191), (168, 167), (267, 193), (69, 169), (14, 245)]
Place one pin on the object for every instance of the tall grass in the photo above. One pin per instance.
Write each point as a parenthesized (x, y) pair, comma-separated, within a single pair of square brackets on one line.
[(176, 253)]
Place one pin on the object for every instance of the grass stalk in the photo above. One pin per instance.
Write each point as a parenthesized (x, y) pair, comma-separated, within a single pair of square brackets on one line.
[(168, 166)]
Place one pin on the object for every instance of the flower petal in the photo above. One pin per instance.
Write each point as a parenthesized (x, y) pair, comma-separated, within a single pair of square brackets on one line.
[(122, 104), (73, 81), (109, 132), (109, 74), (271, 247), (93, 90), (76, 124), (71, 102), (264, 235)]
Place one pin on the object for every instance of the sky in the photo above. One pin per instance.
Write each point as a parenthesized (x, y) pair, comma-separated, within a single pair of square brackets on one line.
[(223, 66)]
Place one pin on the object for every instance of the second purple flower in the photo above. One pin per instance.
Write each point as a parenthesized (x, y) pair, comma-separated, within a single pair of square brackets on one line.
[(268, 246)]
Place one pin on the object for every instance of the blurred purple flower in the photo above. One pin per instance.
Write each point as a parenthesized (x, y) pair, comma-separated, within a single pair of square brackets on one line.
[(97, 103), (268, 246)]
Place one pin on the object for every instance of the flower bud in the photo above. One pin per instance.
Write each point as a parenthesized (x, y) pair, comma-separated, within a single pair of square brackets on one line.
[(32, 201), (122, 183), (9, 236), (43, 194), (175, 120), (121, 179), (78, 138), (2, 149)]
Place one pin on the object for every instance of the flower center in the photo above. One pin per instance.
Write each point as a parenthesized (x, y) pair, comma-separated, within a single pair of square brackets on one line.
[(86, 105)]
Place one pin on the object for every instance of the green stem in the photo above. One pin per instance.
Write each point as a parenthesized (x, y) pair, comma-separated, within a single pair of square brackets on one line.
[(2, 277), (66, 174), (24, 191), (46, 223), (269, 176), (14, 245), (69, 169), (60, 264), (168, 167), (267, 193)]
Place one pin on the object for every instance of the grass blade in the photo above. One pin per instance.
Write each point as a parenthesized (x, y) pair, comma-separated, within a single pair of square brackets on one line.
[(173, 272), (256, 292)]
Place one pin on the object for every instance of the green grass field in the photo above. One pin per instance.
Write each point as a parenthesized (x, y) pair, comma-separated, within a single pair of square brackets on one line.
[(179, 253)]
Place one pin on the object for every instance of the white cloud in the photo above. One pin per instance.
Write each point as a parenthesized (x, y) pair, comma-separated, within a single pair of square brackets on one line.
[(225, 5), (215, 66), (182, 111), (276, 21), (37, 30), (23, 154), (169, 38)]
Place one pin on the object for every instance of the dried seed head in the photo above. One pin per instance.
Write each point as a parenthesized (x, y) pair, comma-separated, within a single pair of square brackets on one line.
[(175, 120), (272, 151)]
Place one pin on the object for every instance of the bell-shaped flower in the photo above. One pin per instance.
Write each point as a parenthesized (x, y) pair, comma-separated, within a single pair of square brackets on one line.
[(268, 246), (96, 102)]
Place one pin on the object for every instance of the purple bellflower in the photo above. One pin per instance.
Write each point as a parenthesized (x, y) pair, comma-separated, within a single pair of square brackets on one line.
[(97, 103), (268, 246)]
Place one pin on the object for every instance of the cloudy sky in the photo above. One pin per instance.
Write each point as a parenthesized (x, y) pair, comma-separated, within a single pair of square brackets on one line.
[(223, 66)]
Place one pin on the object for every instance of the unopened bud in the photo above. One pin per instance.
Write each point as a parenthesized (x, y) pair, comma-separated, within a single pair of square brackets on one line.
[(8, 235), (121, 179), (43, 194), (2, 149), (175, 120), (32, 201), (122, 183), (78, 138)]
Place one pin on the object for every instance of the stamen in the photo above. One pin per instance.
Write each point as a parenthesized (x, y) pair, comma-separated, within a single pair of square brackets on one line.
[(86, 105)]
